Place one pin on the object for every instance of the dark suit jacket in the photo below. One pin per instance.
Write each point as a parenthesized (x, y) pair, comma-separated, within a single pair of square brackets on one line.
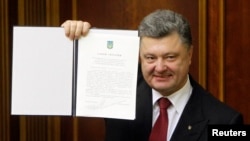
[(202, 109)]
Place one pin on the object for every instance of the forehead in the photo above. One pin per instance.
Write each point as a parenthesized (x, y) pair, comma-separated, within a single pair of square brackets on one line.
[(168, 43)]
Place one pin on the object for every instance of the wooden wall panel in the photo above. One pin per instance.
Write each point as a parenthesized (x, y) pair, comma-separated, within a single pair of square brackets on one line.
[(237, 49), (4, 72), (128, 14), (65, 10), (215, 46), (91, 129), (32, 13), (227, 53)]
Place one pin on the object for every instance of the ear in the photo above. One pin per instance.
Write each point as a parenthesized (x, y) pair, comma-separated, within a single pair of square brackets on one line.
[(139, 55), (190, 54)]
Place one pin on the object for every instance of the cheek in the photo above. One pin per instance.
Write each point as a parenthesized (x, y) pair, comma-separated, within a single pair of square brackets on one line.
[(147, 68), (183, 66), (177, 66)]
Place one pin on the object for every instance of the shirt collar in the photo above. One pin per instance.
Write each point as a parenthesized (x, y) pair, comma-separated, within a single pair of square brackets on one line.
[(178, 98)]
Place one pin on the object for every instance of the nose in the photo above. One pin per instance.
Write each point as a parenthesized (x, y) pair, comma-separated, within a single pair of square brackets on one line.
[(160, 66)]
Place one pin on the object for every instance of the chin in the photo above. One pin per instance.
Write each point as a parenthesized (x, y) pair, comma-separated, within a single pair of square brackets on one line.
[(160, 87)]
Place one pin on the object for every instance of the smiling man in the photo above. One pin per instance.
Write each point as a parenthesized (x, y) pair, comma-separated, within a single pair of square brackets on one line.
[(165, 62), (170, 105)]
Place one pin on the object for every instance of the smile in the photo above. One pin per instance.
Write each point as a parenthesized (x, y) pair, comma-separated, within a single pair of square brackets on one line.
[(162, 77)]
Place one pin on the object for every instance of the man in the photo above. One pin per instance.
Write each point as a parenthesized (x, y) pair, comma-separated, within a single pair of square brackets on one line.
[(165, 56)]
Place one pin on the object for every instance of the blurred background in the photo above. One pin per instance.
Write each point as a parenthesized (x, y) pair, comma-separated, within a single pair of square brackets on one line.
[(220, 63)]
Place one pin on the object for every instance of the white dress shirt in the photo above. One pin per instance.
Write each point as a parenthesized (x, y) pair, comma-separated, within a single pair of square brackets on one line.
[(178, 101)]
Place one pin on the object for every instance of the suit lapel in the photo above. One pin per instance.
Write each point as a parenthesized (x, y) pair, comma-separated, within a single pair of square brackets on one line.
[(142, 125), (192, 121), (143, 102)]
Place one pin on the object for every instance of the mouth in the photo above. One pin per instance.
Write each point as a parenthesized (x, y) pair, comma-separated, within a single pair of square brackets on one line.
[(163, 77)]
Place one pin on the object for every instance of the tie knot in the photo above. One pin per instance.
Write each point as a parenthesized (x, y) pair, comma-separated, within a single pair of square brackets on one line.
[(163, 103)]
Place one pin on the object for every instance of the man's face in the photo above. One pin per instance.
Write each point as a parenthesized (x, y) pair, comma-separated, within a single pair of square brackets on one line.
[(165, 62)]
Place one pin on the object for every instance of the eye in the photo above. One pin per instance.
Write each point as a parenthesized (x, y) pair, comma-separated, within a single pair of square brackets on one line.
[(170, 57), (149, 58)]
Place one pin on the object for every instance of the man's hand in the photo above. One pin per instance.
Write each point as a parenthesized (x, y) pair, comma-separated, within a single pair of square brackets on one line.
[(75, 29)]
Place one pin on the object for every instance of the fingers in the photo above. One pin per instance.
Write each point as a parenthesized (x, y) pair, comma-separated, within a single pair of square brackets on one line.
[(75, 29), (86, 27), (66, 26)]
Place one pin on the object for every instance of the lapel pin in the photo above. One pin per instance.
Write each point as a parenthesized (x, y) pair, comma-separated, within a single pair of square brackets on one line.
[(189, 127)]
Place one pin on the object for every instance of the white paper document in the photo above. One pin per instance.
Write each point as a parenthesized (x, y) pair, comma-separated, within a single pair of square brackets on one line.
[(42, 84)]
